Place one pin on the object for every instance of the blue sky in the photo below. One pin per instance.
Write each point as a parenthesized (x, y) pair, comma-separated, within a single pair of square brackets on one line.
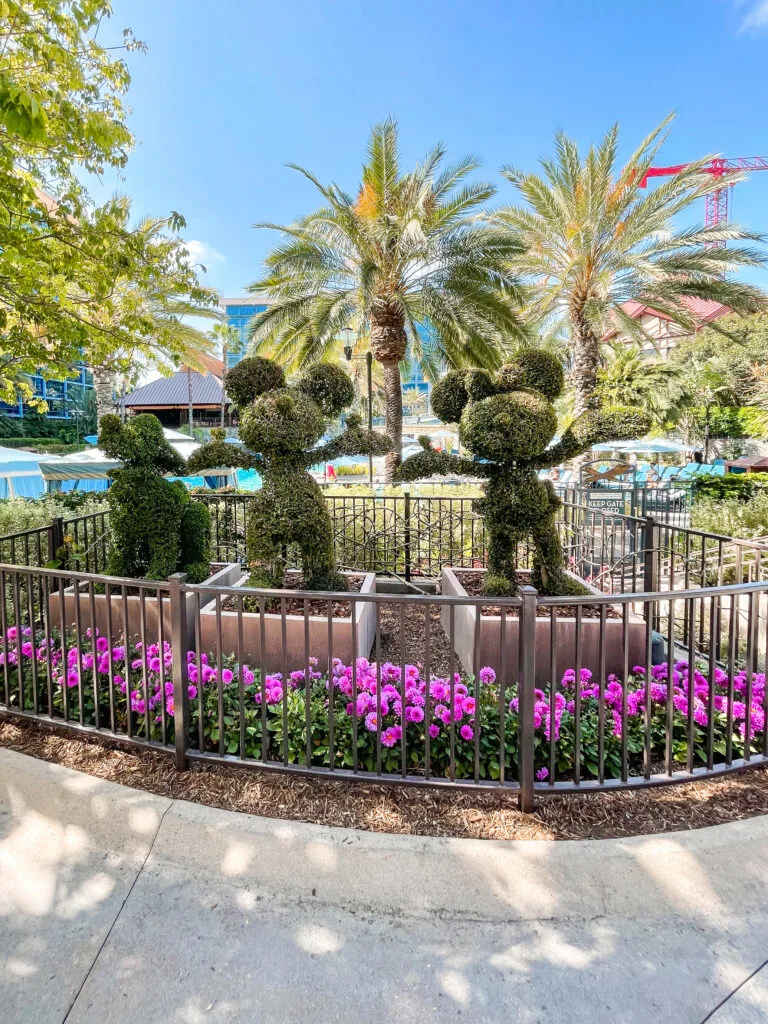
[(229, 92)]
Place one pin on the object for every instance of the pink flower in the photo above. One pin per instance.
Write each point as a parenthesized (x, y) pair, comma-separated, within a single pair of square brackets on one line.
[(467, 732), (434, 731), (542, 774), (414, 714), (391, 735), (226, 676), (371, 721), (487, 675)]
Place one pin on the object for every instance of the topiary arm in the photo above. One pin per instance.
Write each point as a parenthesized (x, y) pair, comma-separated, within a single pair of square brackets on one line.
[(431, 462), (615, 423), (168, 461), (353, 440), (217, 454)]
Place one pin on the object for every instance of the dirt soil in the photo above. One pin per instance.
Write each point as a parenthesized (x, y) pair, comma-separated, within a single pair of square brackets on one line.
[(295, 606), (415, 811), (472, 582)]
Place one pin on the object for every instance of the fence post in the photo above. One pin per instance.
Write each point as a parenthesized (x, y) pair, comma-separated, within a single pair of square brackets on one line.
[(651, 556), (55, 537), (526, 696), (407, 533), (651, 561), (180, 691)]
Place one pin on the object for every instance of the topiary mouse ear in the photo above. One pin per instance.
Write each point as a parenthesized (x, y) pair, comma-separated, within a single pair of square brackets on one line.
[(449, 396), (251, 377), (535, 369), (329, 386), (479, 384)]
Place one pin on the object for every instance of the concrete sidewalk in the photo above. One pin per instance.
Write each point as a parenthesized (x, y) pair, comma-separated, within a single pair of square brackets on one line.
[(119, 906)]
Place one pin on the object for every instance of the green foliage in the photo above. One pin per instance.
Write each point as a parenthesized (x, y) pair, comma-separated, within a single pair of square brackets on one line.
[(628, 377), (74, 279), (402, 249), (285, 423), (155, 529), (36, 426), (40, 444), (329, 386), (18, 514), (534, 368), (281, 426), (449, 396), (732, 516), (512, 430), (593, 237), (507, 427), (737, 485), (195, 541), (251, 377)]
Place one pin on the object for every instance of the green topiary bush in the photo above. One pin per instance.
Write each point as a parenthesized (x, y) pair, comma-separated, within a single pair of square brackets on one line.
[(508, 422), (156, 529), (329, 386), (280, 427), (251, 377), (734, 485)]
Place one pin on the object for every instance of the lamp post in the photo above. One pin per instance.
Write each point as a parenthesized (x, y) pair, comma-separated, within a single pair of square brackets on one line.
[(189, 401), (348, 336)]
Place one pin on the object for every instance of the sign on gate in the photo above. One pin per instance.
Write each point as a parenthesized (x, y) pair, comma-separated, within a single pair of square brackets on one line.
[(610, 500)]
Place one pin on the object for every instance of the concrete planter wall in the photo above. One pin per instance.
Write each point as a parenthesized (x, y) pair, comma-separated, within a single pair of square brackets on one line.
[(364, 626), (74, 607), (489, 640)]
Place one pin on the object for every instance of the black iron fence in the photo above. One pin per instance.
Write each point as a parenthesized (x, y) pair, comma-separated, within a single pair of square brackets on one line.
[(416, 537), (530, 694)]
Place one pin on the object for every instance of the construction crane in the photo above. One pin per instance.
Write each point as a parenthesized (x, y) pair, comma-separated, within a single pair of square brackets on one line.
[(718, 202)]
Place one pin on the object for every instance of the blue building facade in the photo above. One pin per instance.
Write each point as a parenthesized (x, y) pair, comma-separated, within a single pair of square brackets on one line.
[(64, 397), (239, 313)]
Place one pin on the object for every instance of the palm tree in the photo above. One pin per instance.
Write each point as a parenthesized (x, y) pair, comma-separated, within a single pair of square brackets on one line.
[(408, 249), (626, 377), (593, 238)]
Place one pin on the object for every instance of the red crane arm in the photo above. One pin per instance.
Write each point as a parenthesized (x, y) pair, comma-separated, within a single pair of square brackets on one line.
[(719, 166)]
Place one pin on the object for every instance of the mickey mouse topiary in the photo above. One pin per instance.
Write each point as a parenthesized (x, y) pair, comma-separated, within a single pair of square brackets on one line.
[(508, 421), (280, 424), (156, 529)]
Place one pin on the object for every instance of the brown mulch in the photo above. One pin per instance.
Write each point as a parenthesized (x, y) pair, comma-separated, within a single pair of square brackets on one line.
[(295, 606), (381, 808), (472, 582), (413, 636)]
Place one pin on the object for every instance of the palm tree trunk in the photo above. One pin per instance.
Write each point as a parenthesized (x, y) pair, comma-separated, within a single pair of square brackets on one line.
[(586, 359), (394, 407), (388, 344), (103, 386)]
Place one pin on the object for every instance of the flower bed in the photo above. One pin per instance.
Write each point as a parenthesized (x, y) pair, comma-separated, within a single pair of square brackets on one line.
[(391, 713)]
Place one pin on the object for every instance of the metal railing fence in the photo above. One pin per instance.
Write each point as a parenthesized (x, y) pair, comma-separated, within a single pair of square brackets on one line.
[(531, 694)]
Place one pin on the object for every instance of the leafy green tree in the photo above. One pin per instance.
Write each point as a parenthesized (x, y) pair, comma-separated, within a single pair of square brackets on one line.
[(719, 370), (593, 238), (406, 249), (63, 263), (154, 308)]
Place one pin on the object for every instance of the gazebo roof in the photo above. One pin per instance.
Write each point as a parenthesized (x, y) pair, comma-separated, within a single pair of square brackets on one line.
[(173, 392)]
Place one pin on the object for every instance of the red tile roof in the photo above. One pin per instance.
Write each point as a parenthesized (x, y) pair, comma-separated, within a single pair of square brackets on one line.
[(703, 310)]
